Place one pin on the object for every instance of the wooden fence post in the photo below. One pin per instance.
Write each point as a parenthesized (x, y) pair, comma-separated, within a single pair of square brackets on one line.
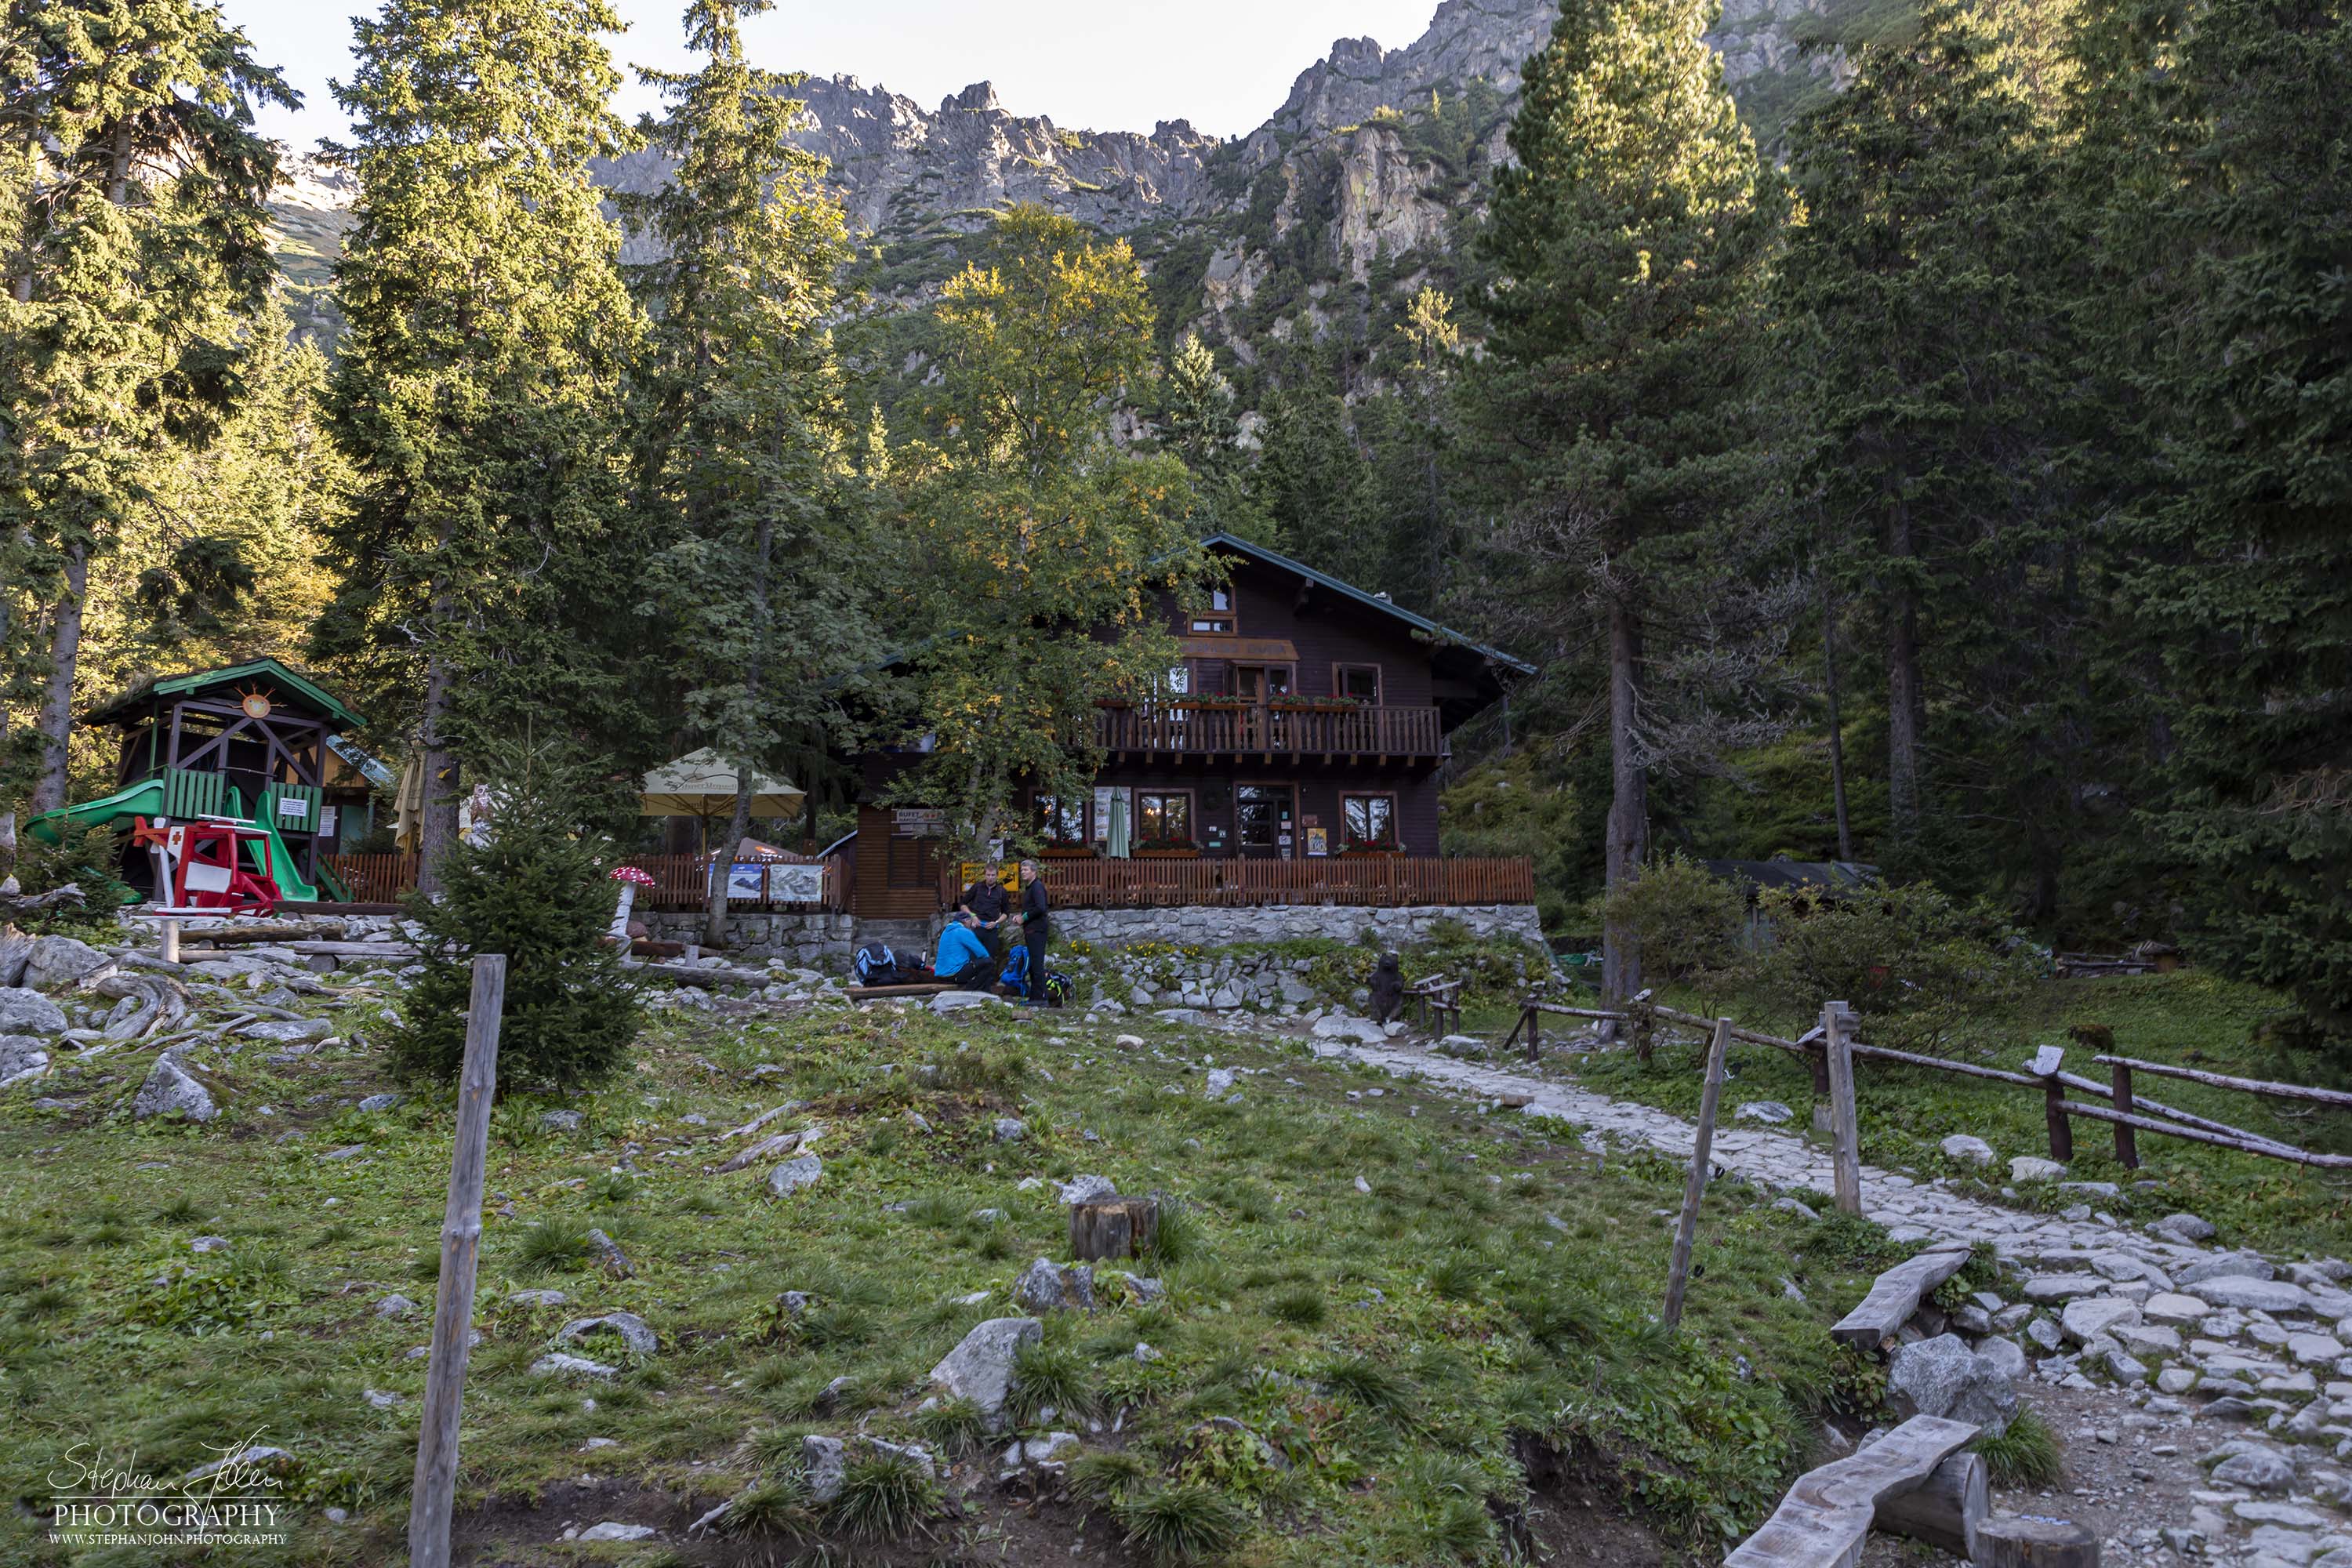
[(433, 1493), (1845, 1130), (170, 944), (2126, 1140), (2054, 1112), (1695, 1189), (1535, 1033)]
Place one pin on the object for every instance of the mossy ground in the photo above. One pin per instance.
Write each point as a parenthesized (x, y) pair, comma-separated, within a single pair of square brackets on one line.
[(2187, 1019), (1412, 1355)]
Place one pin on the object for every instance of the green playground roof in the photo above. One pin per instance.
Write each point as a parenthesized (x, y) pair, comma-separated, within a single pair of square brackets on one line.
[(309, 692)]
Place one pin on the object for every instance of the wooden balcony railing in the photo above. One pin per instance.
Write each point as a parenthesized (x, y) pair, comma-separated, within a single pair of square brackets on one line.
[(679, 882), (1211, 727), (1380, 880)]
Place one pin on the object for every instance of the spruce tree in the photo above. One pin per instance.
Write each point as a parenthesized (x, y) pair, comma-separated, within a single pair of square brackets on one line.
[(1627, 246), (534, 883), (135, 255), (742, 439), (2240, 575), (489, 553)]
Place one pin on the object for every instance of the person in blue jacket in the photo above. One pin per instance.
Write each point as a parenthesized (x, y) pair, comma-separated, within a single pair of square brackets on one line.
[(963, 959)]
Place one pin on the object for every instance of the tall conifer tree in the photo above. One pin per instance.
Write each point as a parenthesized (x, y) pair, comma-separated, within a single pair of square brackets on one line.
[(1628, 246), (478, 381), (742, 436), (135, 255)]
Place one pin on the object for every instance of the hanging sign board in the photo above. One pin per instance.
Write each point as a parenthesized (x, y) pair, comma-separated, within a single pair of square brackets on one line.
[(795, 884), (919, 822)]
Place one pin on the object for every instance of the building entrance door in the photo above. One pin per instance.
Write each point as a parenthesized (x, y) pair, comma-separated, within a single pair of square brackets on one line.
[(1265, 821)]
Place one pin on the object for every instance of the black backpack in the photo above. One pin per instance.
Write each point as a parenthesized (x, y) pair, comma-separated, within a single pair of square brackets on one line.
[(876, 964)]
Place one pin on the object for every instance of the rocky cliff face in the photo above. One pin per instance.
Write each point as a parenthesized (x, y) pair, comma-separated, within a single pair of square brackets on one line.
[(1357, 184)]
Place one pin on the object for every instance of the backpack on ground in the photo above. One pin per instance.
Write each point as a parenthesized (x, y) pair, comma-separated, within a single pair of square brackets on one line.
[(1059, 989), (876, 964), (1016, 971)]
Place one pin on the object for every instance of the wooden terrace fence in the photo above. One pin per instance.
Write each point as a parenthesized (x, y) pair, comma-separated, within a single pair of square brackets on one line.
[(2127, 1110), (680, 882), (1386, 882), (1304, 728)]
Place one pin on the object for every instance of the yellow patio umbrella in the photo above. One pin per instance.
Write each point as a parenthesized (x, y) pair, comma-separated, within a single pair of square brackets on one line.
[(700, 784)]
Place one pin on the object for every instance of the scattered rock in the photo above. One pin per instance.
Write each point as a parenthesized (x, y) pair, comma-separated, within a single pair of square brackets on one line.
[(2254, 1295), (981, 1368), (2086, 1318), (2258, 1469), (628, 1325), (561, 1120), (1944, 1377), (1770, 1111), (394, 1306), (1086, 1189), (172, 1090), (289, 1031), (2034, 1168), (959, 1001), (1045, 1286), (794, 1174), (537, 1298), (1969, 1149), (2184, 1227), (21, 1060), (24, 1012), (555, 1363), (208, 1244), (1010, 1130), (612, 1530), (56, 962)]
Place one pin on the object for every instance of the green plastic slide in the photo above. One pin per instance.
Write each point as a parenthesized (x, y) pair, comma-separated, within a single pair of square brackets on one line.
[(126, 807)]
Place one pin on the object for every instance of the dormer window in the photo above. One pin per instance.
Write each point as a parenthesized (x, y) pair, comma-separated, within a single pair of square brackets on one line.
[(1217, 618)]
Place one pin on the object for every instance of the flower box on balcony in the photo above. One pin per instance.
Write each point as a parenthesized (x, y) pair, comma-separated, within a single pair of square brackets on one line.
[(1184, 853)]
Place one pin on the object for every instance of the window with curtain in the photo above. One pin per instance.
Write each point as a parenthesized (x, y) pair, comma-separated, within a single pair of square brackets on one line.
[(1063, 823), (1368, 822), (1163, 819)]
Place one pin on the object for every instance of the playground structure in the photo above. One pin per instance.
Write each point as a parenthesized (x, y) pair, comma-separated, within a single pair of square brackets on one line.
[(221, 790)]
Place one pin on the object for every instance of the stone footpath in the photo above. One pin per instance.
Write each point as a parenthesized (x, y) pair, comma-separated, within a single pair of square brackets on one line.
[(2229, 1359)]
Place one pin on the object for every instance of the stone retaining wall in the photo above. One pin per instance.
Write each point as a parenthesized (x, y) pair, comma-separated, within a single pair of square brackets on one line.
[(814, 942)]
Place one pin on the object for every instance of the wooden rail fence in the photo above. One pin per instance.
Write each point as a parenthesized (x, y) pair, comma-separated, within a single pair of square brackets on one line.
[(680, 882), (2129, 1110), (1377, 880), (1215, 727)]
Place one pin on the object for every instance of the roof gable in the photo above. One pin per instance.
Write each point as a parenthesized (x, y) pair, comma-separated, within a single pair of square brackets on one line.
[(1422, 623), (306, 690)]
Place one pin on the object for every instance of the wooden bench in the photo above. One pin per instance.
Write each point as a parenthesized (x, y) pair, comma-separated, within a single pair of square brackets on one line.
[(878, 992)]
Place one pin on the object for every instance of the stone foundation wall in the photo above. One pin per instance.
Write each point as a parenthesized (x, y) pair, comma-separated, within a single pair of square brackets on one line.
[(813, 941), (1290, 922)]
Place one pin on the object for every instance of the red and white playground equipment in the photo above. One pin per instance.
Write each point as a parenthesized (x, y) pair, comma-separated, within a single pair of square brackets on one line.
[(201, 867)]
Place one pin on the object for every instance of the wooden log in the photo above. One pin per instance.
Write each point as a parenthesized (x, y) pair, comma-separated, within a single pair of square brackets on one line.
[(1845, 1129), (16, 906), (878, 993), (2243, 1146), (263, 931), (699, 975), (1825, 1518), (434, 1486), (1113, 1227), (1945, 1510), (771, 1148), (1694, 1187), (357, 948), (2336, 1098), (2027, 1540), (1895, 1295)]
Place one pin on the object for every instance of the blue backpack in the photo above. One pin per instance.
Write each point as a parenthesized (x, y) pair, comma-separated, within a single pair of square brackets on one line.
[(876, 964), (1017, 970)]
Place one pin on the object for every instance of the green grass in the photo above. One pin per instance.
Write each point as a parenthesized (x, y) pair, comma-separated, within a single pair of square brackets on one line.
[(2188, 1018), (1301, 1308), (2025, 1454)]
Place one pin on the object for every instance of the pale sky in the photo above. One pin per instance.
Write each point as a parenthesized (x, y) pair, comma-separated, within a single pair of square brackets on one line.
[(1096, 65)]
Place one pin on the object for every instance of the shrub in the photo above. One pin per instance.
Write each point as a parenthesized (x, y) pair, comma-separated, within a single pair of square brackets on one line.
[(2025, 1454), (539, 891), (1686, 920), (1371, 1383), (1914, 963), (1052, 1374), (883, 1496)]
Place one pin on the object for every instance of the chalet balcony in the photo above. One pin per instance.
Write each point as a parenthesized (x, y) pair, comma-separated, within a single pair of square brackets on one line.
[(1303, 727)]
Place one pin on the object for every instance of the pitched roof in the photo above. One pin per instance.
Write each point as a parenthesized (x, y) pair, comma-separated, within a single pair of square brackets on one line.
[(180, 685), (1374, 600)]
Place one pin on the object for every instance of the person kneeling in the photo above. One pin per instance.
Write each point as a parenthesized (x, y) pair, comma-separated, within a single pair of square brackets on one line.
[(963, 959)]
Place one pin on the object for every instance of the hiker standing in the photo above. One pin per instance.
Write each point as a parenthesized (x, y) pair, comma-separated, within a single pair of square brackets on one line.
[(988, 903), (1036, 928)]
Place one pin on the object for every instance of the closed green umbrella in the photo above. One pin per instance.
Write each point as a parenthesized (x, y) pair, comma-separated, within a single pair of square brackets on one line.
[(1118, 845)]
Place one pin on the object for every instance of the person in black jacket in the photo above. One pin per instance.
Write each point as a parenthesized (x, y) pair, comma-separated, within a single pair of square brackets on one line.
[(1036, 928), (991, 907)]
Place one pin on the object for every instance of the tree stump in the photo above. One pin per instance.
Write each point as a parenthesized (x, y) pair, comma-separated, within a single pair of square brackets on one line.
[(2028, 1540), (1113, 1227), (1945, 1511)]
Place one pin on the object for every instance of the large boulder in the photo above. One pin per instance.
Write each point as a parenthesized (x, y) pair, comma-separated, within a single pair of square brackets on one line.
[(1944, 1377), (57, 962), (173, 1090), (28, 1012), (981, 1368), (15, 950), (21, 1057), (1968, 1149)]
